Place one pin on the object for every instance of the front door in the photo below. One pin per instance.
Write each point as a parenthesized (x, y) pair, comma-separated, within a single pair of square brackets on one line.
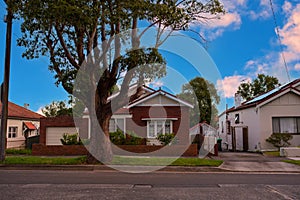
[(245, 139)]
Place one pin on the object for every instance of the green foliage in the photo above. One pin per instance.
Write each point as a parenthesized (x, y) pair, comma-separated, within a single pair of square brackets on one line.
[(18, 151), (57, 108), (133, 139), (130, 138), (204, 96), (263, 83), (44, 160), (161, 161), (70, 139), (280, 139), (166, 138), (117, 138)]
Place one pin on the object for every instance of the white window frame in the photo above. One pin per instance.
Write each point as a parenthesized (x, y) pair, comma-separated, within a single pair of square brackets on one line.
[(155, 127), (10, 132), (278, 119), (115, 124)]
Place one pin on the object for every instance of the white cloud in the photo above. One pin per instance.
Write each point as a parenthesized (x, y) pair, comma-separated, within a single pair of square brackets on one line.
[(297, 66), (262, 10), (157, 84), (215, 27), (229, 85), (229, 19), (272, 63), (287, 7), (39, 111), (290, 34)]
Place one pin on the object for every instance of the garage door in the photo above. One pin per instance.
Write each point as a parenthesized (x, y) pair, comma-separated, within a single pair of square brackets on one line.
[(54, 134)]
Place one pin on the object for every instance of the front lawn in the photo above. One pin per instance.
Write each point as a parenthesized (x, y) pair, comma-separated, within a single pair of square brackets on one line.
[(272, 153), (161, 161), (44, 160), (117, 160), (296, 162)]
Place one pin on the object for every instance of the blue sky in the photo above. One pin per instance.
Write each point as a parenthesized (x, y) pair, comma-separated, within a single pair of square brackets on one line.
[(241, 44)]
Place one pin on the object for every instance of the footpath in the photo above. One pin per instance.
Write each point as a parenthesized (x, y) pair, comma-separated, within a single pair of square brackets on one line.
[(233, 162)]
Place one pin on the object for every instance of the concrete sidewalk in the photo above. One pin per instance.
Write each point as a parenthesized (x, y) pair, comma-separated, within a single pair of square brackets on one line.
[(233, 162), (255, 162)]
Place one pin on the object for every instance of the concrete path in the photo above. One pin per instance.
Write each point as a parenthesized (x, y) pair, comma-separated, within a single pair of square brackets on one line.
[(255, 162)]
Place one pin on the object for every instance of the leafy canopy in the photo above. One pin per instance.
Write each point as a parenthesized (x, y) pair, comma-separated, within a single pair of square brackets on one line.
[(204, 97), (263, 83)]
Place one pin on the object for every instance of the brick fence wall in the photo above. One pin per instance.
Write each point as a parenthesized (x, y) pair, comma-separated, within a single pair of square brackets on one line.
[(142, 150)]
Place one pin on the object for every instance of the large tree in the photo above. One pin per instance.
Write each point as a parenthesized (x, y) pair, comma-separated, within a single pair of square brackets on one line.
[(203, 95), (77, 34), (263, 83)]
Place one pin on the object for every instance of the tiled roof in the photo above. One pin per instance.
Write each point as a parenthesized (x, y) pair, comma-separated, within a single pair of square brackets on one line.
[(266, 96), (16, 111), (30, 125)]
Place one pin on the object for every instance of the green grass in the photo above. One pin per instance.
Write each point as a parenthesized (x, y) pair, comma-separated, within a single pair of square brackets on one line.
[(117, 160), (18, 151), (296, 162), (272, 153), (44, 160), (157, 161)]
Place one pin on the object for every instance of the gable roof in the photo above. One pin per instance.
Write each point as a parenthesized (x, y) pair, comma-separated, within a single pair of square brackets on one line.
[(267, 97), (156, 93), (18, 112)]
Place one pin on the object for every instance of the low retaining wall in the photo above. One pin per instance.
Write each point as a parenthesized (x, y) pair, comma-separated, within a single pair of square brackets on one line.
[(141, 150), (290, 151), (58, 150)]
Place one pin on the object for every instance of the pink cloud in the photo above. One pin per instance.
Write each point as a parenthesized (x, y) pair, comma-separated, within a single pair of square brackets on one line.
[(229, 85)]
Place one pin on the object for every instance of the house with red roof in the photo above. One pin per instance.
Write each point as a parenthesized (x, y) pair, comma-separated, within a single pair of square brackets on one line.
[(21, 123), (149, 113), (246, 126)]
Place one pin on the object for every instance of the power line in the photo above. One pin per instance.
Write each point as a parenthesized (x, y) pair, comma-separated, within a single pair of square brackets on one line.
[(280, 42)]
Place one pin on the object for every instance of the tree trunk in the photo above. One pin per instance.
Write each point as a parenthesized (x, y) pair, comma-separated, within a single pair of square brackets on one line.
[(100, 146)]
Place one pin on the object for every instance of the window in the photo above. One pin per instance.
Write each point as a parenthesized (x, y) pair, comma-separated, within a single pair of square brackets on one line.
[(116, 123), (156, 127), (12, 132), (286, 125), (237, 119)]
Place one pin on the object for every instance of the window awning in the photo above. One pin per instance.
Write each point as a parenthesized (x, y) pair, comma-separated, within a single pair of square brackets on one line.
[(30, 125)]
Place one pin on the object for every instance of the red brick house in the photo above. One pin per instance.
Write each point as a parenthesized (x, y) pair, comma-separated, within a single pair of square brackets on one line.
[(154, 112), (21, 122)]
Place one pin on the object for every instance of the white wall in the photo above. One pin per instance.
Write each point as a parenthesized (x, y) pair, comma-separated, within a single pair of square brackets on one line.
[(287, 105)]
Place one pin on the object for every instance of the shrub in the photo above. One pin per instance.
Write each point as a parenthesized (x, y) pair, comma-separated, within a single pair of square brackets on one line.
[(18, 151), (133, 139), (118, 137), (280, 139), (167, 138), (70, 139)]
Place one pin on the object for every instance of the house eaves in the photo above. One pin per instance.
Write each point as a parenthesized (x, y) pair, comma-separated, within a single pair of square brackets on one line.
[(156, 93)]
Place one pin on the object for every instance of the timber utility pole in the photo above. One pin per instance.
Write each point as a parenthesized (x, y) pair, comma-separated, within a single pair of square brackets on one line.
[(5, 84)]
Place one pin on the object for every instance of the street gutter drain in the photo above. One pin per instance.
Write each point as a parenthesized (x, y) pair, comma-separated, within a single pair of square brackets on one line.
[(143, 186)]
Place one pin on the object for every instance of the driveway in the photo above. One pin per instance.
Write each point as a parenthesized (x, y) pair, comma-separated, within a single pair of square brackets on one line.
[(255, 162)]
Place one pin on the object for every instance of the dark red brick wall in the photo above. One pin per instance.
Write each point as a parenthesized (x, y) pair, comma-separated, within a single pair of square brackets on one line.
[(180, 126), (62, 121), (147, 150), (58, 150), (143, 150)]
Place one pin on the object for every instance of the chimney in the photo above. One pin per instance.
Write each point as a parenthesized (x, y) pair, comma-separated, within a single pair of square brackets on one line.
[(237, 100), (26, 105)]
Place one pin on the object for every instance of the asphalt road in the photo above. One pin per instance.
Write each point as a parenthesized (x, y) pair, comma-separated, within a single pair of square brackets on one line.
[(44, 184)]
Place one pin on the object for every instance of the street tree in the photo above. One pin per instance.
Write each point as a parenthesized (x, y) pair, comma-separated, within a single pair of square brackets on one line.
[(262, 84), (86, 34), (57, 108), (204, 96)]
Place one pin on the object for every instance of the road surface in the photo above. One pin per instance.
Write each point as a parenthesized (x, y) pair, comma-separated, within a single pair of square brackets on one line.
[(46, 184)]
